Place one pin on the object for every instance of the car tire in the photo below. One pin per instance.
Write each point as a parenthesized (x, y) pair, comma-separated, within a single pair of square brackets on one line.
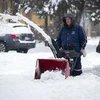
[(3, 47), (19, 51), (25, 50), (98, 49), (22, 50)]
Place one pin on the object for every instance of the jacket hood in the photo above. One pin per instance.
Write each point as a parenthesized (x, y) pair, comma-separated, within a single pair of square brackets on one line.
[(69, 15)]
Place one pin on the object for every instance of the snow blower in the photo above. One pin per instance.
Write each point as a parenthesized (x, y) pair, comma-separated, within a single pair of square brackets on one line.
[(66, 65)]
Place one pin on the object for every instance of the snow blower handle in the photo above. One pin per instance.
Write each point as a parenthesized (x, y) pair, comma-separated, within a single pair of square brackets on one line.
[(74, 64)]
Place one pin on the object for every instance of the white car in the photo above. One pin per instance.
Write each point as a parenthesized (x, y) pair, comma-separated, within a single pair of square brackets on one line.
[(16, 36)]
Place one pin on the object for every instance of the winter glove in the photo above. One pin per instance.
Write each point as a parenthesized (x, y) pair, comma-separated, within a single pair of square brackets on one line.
[(83, 52), (62, 52)]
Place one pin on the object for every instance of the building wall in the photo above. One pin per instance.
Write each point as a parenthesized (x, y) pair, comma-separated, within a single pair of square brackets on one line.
[(39, 21), (33, 17)]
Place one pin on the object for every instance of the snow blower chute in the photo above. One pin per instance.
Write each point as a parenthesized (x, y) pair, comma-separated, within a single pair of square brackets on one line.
[(66, 65)]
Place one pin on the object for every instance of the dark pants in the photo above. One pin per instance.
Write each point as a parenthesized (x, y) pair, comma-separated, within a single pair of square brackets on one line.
[(78, 68)]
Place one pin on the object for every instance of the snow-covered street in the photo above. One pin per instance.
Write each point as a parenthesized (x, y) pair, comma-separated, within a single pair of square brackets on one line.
[(17, 77)]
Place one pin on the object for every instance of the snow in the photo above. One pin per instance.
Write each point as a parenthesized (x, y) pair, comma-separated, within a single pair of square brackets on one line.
[(8, 28), (27, 10), (51, 3), (7, 16), (17, 75), (93, 19)]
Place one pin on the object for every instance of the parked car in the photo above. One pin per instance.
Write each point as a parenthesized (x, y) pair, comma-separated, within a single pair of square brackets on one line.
[(16, 36), (98, 47)]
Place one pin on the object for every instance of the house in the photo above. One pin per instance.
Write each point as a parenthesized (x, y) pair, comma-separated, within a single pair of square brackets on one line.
[(6, 6)]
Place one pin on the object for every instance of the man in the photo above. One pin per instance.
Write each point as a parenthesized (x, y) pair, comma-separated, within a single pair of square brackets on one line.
[(72, 34)]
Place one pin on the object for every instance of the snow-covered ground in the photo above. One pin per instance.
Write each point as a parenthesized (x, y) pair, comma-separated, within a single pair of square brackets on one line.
[(17, 77)]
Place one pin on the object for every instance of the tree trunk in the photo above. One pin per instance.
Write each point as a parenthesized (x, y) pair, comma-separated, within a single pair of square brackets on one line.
[(89, 28), (46, 24)]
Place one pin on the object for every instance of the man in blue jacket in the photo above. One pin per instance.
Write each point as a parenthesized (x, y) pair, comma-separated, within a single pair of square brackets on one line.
[(72, 34)]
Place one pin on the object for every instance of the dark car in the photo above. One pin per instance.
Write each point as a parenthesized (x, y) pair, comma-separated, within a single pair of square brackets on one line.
[(16, 36), (98, 47)]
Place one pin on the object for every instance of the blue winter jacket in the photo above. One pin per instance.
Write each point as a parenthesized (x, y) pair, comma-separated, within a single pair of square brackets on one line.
[(75, 36)]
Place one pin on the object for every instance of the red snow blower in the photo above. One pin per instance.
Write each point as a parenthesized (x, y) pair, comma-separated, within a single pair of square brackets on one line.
[(43, 65), (65, 65)]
